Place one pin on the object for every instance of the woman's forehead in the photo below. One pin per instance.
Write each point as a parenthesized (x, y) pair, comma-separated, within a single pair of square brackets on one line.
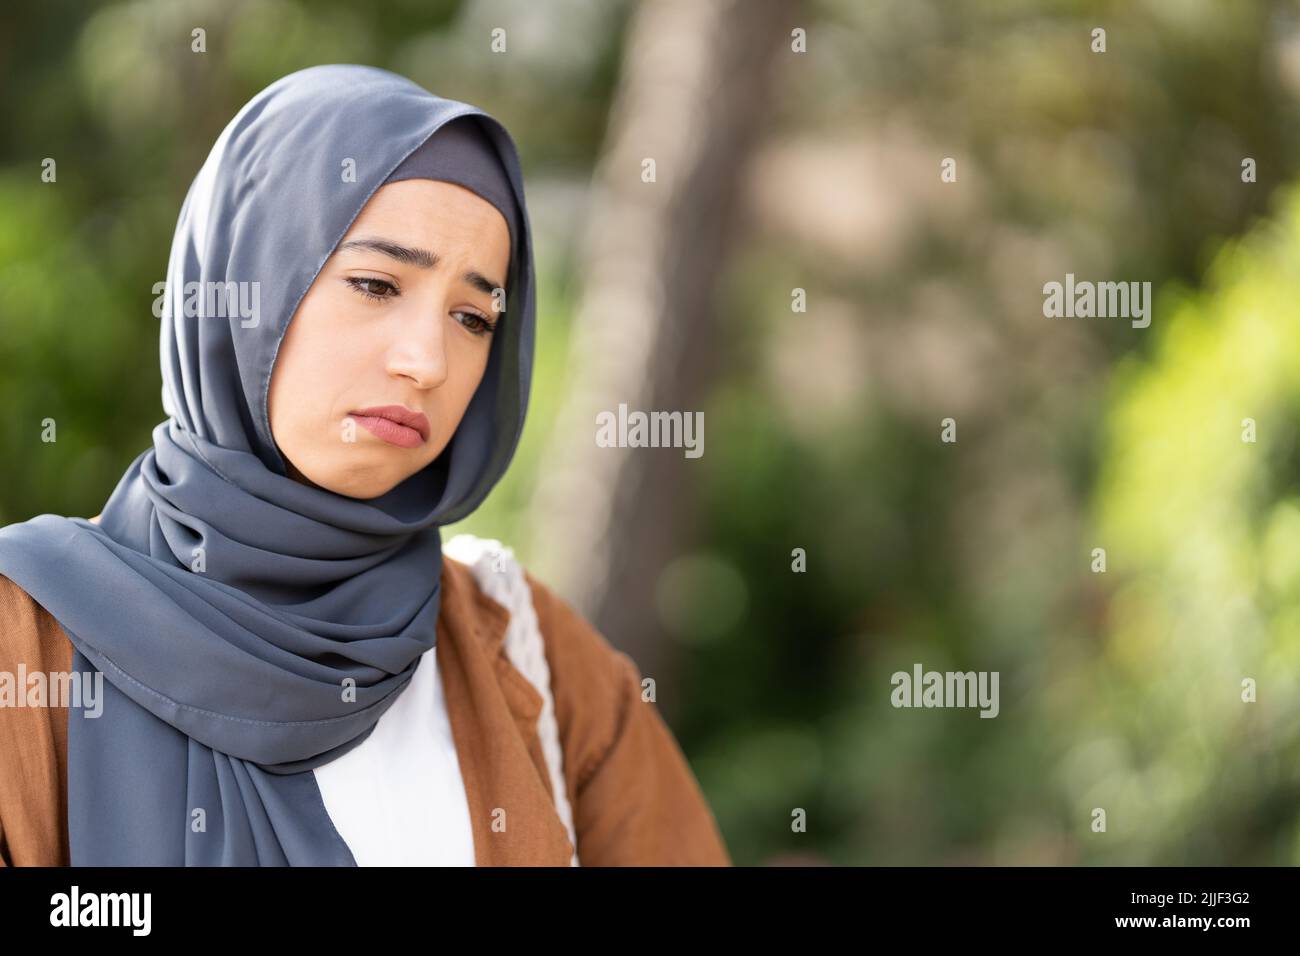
[(421, 222)]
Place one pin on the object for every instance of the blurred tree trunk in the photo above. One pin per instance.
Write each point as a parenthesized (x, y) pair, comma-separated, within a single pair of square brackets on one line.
[(693, 97)]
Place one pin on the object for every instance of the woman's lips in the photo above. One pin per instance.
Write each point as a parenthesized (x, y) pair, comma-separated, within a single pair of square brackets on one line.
[(395, 424)]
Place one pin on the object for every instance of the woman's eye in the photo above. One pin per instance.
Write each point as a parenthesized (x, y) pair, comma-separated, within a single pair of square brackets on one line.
[(372, 288), (476, 323)]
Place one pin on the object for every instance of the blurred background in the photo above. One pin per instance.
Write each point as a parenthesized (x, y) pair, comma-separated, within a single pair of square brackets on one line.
[(786, 161)]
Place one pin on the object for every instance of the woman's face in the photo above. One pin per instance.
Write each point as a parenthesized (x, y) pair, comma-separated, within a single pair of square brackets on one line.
[(401, 315)]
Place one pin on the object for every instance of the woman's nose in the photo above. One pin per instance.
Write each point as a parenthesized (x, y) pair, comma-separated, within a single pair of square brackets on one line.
[(420, 352)]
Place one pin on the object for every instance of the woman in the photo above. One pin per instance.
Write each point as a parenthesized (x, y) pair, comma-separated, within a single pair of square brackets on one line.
[(346, 347)]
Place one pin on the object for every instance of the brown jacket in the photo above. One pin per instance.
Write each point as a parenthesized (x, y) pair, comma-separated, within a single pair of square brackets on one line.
[(635, 800)]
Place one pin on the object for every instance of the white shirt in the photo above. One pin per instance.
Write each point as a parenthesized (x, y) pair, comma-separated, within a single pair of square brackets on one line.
[(398, 798)]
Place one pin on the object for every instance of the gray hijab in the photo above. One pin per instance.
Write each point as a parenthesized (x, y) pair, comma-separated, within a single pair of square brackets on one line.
[(249, 627)]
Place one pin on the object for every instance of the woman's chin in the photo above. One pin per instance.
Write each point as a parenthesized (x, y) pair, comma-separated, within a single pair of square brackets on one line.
[(358, 481)]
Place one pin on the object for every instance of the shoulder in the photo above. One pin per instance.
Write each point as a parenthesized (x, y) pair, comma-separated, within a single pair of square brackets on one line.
[(634, 797), (575, 643), (491, 570), (33, 739), (29, 634), (593, 684), (578, 654)]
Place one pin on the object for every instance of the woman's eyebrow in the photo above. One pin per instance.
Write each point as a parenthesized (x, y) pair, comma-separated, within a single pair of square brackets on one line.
[(414, 256)]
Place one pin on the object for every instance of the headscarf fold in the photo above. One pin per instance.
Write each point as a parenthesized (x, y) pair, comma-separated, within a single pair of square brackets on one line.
[(250, 627)]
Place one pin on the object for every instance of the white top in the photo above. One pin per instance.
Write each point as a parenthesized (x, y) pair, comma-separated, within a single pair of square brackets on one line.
[(398, 798)]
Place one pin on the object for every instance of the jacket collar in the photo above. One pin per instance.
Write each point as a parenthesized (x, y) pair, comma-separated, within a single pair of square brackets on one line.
[(464, 604), (493, 711)]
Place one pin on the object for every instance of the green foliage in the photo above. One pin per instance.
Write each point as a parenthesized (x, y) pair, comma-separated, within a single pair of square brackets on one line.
[(1202, 529)]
